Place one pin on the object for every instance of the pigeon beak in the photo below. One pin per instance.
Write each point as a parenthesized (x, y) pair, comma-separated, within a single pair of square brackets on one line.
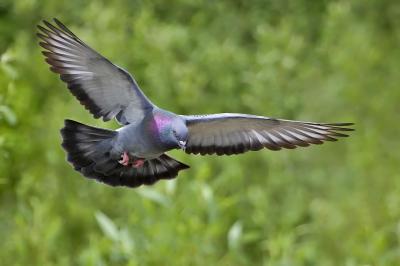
[(182, 144)]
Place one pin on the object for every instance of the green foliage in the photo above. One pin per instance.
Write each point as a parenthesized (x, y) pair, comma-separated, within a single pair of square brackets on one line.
[(329, 61)]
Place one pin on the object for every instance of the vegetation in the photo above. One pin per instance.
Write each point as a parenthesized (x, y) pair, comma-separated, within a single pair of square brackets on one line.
[(328, 61)]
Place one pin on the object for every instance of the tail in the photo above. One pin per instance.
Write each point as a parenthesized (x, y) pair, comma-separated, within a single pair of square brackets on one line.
[(86, 145), (90, 151)]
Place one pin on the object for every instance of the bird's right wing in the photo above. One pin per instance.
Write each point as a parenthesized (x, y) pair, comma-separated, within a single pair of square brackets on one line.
[(104, 89), (237, 133)]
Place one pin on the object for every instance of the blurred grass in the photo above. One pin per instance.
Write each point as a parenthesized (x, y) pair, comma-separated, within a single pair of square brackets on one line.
[(328, 61)]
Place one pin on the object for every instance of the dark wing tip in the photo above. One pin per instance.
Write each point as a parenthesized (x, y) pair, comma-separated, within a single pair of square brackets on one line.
[(40, 27), (334, 126), (183, 166), (60, 24), (341, 124), (58, 28), (48, 24)]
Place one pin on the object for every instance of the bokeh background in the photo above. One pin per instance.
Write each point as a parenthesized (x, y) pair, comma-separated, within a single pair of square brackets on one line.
[(326, 61)]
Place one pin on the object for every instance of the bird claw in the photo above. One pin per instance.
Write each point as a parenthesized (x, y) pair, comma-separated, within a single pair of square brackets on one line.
[(124, 159), (135, 162)]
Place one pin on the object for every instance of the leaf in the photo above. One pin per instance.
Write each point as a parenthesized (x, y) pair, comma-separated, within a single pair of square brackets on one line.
[(153, 195), (5, 63), (235, 235), (126, 241), (8, 115), (107, 226)]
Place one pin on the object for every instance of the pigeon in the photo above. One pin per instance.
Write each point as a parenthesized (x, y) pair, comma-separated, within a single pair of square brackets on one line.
[(135, 154)]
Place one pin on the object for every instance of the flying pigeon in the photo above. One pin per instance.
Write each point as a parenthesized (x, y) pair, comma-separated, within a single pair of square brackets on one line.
[(135, 154)]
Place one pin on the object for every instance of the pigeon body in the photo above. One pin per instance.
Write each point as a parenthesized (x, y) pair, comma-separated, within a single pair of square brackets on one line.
[(134, 154), (159, 131)]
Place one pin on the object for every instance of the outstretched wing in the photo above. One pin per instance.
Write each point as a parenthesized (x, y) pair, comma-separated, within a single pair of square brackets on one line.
[(104, 89), (238, 133)]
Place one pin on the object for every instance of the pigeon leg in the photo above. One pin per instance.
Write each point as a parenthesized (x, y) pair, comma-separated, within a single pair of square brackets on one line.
[(137, 163), (124, 159)]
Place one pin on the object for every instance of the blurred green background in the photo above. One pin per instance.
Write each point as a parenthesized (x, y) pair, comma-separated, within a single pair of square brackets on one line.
[(326, 61)]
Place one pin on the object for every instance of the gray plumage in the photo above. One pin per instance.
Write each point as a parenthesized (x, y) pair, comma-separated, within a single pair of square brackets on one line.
[(135, 153)]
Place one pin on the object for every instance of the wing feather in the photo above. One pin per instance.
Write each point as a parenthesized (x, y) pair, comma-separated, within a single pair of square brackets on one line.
[(237, 133), (105, 89)]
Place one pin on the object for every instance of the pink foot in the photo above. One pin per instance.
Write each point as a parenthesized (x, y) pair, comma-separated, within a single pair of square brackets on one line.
[(124, 159), (137, 163)]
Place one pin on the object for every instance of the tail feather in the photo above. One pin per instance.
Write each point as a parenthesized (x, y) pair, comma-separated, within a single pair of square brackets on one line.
[(89, 151), (152, 171), (85, 144)]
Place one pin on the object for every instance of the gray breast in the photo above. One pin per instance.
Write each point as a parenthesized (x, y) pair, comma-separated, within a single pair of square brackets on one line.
[(135, 140)]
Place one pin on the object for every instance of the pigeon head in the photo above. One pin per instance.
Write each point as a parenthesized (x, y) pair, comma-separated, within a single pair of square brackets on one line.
[(172, 130), (179, 132)]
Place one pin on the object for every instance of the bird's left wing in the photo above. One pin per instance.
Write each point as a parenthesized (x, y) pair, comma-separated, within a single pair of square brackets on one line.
[(237, 133), (104, 89)]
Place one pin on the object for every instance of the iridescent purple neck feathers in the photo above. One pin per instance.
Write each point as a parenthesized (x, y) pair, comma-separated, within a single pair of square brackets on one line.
[(169, 129)]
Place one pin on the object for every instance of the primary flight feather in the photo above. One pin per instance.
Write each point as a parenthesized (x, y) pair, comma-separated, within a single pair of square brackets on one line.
[(134, 154)]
